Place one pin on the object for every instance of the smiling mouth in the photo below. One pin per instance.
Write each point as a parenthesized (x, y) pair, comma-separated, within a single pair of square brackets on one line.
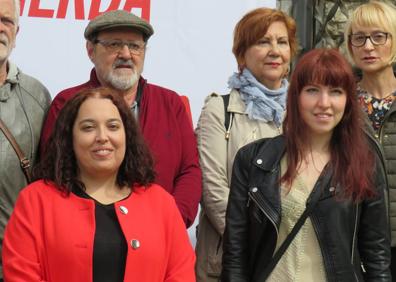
[(323, 116), (102, 152), (273, 64)]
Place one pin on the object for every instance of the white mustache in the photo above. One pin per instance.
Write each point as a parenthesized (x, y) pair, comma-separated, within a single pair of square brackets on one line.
[(120, 62)]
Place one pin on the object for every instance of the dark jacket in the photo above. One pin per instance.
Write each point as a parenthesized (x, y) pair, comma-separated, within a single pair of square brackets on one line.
[(387, 139), (24, 102), (167, 130), (349, 234)]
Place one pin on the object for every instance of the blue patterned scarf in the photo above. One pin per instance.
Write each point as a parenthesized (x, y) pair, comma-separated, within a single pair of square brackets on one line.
[(261, 103)]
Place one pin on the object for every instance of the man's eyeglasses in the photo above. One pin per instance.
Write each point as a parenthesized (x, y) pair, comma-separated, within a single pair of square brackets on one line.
[(376, 38), (116, 46)]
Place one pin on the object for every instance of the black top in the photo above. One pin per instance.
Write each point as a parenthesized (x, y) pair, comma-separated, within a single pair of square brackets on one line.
[(110, 247)]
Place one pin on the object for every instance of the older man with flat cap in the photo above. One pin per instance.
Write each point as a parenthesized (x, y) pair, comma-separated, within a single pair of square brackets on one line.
[(24, 102), (116, 45)]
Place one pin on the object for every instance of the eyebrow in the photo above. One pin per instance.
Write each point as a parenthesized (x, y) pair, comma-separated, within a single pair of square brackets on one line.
[(114, 119), (86, 120), (274, 37), (93, 121), (8, 18)]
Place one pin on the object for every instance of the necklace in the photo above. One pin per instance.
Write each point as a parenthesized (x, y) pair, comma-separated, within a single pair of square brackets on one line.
[(316, 163), (321, 163)]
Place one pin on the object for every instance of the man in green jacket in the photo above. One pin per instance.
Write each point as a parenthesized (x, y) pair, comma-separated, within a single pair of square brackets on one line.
[(24, 102)]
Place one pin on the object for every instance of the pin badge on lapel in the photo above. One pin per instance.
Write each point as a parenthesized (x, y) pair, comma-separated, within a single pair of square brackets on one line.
[(135, 244)]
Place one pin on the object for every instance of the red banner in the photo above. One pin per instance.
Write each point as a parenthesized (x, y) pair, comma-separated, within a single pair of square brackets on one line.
[(36, 10)]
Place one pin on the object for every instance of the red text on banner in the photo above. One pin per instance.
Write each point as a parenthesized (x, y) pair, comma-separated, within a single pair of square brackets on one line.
[(35, 8)]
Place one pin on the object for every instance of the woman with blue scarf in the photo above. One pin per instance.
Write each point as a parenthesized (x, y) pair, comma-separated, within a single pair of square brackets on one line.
[(264, 44)]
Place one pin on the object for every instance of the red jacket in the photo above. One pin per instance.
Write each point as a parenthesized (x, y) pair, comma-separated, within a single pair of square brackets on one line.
[(50, 237), (169, 134)]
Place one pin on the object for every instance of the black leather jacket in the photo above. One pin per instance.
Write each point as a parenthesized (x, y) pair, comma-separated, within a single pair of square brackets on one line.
[(350, 235)]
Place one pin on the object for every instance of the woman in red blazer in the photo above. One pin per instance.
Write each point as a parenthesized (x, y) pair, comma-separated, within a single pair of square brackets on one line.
[(95, 215)]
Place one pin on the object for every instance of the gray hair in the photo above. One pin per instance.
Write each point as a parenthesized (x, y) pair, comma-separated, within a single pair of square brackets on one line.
[(17, 6)]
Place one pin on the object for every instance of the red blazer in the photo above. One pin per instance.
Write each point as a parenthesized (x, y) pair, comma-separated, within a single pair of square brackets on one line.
[(167, 130), (50, 236)]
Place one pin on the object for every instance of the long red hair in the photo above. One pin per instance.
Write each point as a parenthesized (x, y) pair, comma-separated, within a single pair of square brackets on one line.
[(351, 159)]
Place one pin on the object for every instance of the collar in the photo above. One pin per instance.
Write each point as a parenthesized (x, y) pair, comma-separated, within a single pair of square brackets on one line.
[(11, 80), (268, 158), (270, 153), (236, 105), (94, 78)]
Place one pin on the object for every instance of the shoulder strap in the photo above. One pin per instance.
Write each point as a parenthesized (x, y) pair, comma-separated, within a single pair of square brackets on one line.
[(24, 162), (228, 117), (226, 101), (282, 249), (312, 200)]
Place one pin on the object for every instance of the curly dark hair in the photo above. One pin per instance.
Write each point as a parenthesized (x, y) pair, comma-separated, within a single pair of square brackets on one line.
[(59, 164)]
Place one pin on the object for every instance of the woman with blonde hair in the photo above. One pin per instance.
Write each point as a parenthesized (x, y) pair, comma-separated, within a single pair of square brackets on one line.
[(264, 45), (371, 44)]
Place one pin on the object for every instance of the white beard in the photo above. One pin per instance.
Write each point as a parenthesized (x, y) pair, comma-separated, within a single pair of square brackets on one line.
[(122, 81)]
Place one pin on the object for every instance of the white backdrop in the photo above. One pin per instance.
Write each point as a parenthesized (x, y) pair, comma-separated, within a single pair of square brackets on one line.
[(190, 51)]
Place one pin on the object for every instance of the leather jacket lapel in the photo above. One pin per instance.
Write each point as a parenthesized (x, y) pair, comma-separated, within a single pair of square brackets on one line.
[(264, 179)]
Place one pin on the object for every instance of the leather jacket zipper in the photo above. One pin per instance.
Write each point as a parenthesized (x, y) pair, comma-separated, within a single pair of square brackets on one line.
[(354, 233), (354, 241), (356, 278), (255, 198)]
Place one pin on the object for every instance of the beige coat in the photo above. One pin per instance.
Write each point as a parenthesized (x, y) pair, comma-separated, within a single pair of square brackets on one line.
[(216, 158)]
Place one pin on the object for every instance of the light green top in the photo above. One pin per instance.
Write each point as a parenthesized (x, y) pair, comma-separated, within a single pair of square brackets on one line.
[(303, 260)]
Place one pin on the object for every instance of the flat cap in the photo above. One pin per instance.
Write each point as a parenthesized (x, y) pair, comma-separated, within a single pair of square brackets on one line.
[(118, 18)]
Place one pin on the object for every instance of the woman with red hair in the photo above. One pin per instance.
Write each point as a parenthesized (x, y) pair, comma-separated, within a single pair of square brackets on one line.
[(309, 205), (265, 42)]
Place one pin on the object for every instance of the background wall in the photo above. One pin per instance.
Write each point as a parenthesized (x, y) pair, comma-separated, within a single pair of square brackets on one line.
[(190, 51)]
